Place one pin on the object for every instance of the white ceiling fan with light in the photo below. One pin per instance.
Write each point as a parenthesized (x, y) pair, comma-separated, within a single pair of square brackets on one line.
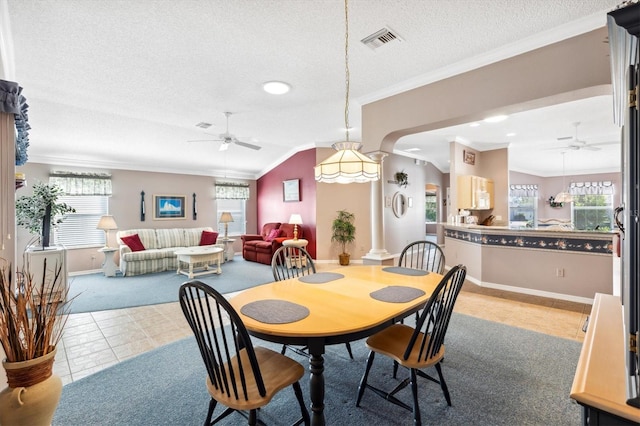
[(227, 139), (577, 144)]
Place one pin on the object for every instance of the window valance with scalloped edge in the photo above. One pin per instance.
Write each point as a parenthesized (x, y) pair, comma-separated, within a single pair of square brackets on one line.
[(74, 183)]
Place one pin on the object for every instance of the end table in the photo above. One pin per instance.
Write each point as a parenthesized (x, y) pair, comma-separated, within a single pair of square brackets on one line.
[(109, 266), (294, 259), (228, 248)]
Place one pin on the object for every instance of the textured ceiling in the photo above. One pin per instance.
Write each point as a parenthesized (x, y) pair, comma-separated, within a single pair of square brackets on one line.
[(122, 84)]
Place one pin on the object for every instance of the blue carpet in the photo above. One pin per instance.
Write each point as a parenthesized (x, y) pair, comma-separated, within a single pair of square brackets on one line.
[(95, 292), (497, 375)]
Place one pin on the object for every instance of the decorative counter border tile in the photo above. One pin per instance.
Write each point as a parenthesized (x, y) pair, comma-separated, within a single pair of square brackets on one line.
[(598, 246)]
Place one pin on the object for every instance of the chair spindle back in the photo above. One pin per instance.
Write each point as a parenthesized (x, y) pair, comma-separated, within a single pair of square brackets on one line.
[(291, 262), (208, 312), (434, 319), (424, 255)]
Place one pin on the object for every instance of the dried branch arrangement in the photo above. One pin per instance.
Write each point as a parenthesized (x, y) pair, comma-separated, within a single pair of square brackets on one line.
[(32, 315)]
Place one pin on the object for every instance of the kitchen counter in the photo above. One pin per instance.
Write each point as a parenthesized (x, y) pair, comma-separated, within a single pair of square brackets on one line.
[(551, 228), (564, 264)]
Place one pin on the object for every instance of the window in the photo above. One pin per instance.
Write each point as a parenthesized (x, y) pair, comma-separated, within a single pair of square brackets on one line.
[(523, 205), (237, 208), (431, 207), (523, 209), (79, 228), (592, 211)]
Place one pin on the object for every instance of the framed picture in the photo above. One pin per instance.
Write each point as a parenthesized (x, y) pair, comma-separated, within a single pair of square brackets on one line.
[(291, 190), (469, 157), (169, 207)]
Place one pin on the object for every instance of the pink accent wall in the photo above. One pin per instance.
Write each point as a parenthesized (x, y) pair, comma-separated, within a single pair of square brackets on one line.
[(272, 208)]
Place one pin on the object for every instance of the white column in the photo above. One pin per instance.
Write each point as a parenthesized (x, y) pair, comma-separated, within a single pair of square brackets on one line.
[(378, 254)]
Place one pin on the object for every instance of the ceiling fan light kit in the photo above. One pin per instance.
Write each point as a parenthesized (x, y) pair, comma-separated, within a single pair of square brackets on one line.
[(348, 165)]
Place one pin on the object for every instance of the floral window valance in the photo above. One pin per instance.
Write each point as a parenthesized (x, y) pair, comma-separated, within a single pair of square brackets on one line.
[(232, 191), (523, 190), (592, 188), (73, 183), (12, 101)]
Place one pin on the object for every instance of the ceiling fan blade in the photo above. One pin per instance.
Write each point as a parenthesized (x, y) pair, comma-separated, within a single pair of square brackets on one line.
[(605, 143), (565, 138), (590, 148), (247, 145), (205, 140)]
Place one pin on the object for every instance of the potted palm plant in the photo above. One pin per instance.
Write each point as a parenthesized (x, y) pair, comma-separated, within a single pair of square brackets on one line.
[(41, 211), (32, 316), (344, 232)]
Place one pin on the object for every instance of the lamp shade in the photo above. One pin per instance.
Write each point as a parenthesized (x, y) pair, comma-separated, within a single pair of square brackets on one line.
[(106, 223), (295, 219), (226, 217), (348, 165), (563, 197)]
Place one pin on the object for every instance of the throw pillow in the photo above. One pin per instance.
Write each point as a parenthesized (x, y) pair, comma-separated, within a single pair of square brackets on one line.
[(208, 238), (133, 241), (273, 234)]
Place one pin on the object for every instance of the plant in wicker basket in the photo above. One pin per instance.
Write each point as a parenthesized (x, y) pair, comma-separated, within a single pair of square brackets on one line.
[(32, 317)]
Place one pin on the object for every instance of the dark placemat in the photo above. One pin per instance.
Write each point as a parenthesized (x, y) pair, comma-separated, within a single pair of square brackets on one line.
[(273, 311), (397, 294), (321, 277), (405, 271)]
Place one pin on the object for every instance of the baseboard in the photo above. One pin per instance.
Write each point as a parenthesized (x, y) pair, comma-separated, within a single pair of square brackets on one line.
[(91, 271), (531, 292)]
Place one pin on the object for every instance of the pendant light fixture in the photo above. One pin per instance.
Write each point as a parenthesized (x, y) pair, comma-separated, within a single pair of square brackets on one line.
[(348, 164), (563, 196)]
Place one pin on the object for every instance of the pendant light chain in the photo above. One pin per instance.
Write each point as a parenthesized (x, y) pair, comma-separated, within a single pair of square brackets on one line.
[(346, 68)]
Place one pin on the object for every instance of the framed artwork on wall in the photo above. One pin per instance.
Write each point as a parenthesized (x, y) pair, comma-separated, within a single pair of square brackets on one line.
[(169, 207), (469, 157), (291, 190)]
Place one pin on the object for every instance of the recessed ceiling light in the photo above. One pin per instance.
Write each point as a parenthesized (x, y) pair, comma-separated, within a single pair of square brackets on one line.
[(276, 87), (511, 134), (495, 118), (474, 124)]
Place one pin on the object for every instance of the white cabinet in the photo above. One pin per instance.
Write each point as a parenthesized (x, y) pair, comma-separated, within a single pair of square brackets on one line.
[(45, 265)]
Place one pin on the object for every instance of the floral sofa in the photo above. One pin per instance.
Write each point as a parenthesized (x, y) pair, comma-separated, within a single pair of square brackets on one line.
[(153, 249), (261, 247)]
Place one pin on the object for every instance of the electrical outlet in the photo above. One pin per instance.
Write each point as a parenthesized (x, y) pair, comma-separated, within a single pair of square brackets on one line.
[(560, 272)]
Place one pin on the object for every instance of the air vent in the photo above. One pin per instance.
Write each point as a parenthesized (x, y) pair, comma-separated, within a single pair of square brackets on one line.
[(203, 125), (380, 38)]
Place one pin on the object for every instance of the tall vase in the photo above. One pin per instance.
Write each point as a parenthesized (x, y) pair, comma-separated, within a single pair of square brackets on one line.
[(33, 393)]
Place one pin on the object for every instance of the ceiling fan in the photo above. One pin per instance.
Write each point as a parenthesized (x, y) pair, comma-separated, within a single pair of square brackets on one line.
[(227, 139), (577, 144)]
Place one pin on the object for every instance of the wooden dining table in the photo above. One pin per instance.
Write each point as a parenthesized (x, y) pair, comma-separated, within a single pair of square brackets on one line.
[(340, 305)]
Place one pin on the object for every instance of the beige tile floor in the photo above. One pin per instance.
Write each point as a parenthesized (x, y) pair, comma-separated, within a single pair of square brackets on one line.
[(94, 341)]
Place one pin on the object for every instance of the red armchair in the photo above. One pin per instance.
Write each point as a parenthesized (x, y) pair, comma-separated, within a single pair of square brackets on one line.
[(260, 248)]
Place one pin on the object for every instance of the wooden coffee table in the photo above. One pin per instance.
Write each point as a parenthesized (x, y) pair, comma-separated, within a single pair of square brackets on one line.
[(195, 255)]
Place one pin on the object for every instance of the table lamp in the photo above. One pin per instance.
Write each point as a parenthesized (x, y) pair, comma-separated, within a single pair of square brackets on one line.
[(225, 218), (295, 220), (106, 223)]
